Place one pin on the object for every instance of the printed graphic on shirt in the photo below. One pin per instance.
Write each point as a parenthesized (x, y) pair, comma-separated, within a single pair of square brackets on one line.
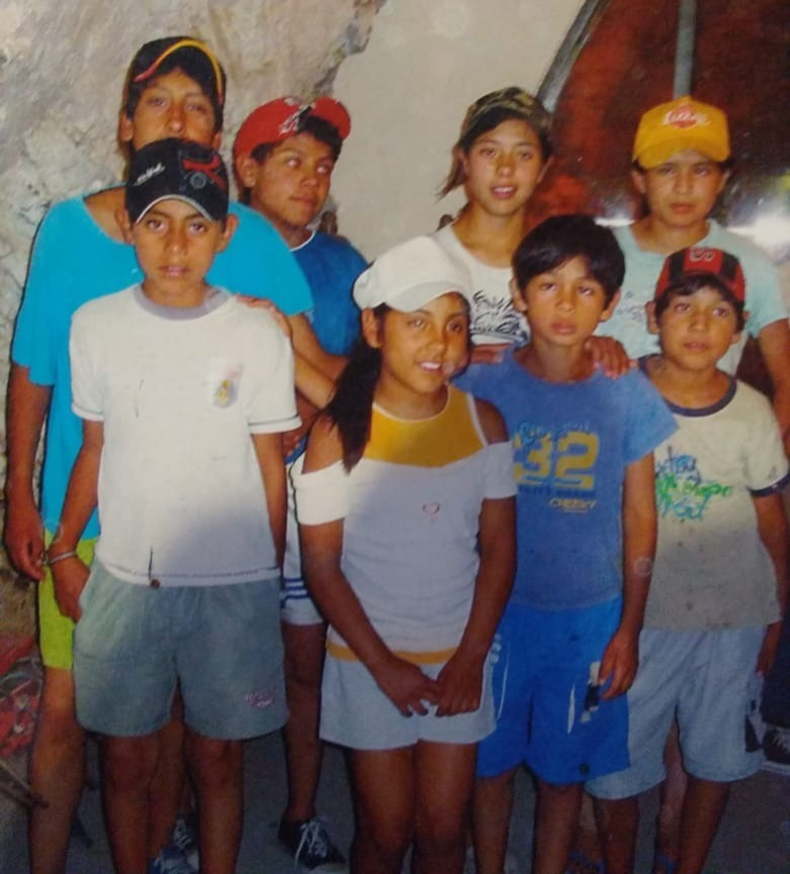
[(559, 464), (681, 489), (224, 377), (495, 321)]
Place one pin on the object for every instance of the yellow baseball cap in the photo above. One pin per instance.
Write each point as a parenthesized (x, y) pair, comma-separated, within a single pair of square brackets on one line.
[(683, 123)]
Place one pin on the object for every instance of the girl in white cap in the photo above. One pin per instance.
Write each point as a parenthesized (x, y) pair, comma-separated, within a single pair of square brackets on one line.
[(407, 522)]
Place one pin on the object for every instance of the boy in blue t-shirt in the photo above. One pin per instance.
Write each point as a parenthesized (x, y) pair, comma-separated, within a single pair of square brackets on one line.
[(566, 649), (285, 152), (719, 586)]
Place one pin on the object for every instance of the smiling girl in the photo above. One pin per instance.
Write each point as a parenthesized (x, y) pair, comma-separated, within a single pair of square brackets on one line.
[(406, 513)]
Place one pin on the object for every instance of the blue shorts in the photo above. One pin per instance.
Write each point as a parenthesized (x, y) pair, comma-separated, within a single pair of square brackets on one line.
[(355, 712), (221, 644), (707, 680), (548, 711)]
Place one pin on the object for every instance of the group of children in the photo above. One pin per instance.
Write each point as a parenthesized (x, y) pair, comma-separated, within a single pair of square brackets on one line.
[(480, 539)]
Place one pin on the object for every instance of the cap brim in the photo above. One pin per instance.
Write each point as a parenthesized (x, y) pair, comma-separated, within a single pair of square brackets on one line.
[(416, 296), (201, 209), (654, 156)]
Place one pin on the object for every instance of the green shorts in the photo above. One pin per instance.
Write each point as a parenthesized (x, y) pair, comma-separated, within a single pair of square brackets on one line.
[(56, 631)]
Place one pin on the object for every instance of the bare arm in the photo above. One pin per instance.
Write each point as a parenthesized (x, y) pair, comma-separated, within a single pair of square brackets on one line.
[(461, 679), (322, 546), (772, 527), (621, 656), (269, 452), (26, 409), (774, 340), (306, 344), (71, 574)]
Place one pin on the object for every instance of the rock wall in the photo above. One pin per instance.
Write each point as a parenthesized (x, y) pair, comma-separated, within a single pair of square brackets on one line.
[(62, 67)]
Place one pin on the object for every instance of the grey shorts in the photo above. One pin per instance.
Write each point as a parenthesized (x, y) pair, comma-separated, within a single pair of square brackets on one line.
[(221, 644), (705, 679), (355, 712)]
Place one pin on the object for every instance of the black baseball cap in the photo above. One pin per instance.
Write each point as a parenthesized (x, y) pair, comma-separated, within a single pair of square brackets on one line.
[(177, 169)]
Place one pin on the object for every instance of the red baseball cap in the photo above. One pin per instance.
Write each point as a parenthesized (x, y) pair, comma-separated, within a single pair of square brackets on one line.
[(699, 261), (279, 119)]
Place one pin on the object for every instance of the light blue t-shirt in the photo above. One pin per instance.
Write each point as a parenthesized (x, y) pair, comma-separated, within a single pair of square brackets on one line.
[(628, 324), (572, 443), (331, 265), (74, 261)]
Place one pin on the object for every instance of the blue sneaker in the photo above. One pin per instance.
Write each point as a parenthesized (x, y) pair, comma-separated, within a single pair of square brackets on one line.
[(185, 838), (311, 847)]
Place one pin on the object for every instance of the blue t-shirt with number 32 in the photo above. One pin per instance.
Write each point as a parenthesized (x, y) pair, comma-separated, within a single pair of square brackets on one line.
[(572, 443)]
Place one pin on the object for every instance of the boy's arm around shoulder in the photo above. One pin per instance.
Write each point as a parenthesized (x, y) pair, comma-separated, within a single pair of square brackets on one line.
[(460, 681), (621, 656), (322, 549)]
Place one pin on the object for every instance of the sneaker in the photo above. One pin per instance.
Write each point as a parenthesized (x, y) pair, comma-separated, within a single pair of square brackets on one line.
[(776, 746), (170, 861), (309, 843), (185, 838)]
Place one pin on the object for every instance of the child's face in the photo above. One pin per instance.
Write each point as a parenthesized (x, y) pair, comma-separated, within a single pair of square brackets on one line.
[(291, 184), (421, 350), (696, 330), (565, 305), (503, 167), (682, 191), (173, 105), (175, 247)]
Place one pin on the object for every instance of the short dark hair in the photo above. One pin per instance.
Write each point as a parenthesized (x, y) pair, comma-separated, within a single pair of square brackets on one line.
[(688, 285), (562, 237), (194, 58)]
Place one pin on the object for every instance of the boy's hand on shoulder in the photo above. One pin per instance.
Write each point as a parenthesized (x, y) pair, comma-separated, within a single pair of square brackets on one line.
[(609, 355), (768, 650), (406, 686), (488, 353), (261, 303), (460, 685), (619, 663), (69, 577)]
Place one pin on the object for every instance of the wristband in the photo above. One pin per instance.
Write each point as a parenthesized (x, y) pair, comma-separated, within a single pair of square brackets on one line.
[(62, 556)]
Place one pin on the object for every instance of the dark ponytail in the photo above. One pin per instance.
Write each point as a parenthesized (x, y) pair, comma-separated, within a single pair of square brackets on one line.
[(351, 406)]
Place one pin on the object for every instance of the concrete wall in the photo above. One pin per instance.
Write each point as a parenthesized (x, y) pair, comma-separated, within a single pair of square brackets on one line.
[(408, 92)]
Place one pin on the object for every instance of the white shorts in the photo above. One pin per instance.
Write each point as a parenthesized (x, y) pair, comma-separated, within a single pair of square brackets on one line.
[(296, 605), (355, 712), (705, 678)]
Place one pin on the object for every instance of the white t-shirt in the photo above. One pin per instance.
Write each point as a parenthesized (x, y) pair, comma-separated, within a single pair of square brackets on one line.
[(494, 320), (181, 497), (628, 324), (711, 568)]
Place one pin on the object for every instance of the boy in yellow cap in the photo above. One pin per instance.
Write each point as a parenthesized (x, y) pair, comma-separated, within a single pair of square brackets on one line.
[(681, 163)]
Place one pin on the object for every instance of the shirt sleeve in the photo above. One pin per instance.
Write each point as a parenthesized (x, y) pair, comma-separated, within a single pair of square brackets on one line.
[(34, 345), (499, 479), (85, 385), (321, 495), (649, 420), (764, 301), (269, 394)]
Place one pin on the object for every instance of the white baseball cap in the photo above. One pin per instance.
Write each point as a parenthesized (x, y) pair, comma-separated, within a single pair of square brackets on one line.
[(410, 275)]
